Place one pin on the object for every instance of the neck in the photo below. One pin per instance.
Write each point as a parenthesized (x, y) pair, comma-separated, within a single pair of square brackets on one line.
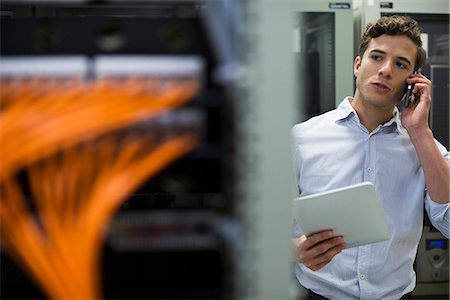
[(370, 115)]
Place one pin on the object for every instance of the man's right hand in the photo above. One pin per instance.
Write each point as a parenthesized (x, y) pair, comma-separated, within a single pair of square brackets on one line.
[(318, 249)]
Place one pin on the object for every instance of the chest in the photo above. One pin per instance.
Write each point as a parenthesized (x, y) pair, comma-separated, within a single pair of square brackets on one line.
[(344, 158)]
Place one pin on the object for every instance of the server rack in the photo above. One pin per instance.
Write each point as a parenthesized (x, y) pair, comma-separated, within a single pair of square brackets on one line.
[(173, 237), (324, 45), (230, 198)]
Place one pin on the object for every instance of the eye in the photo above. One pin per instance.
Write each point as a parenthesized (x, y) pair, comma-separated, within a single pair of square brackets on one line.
[(376, 57), (402, 65)]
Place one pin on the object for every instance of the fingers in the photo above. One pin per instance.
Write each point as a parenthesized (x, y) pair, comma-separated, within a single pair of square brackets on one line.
[(420, 82), (422, 89), (323, 259), (313, 239), (317, 250)]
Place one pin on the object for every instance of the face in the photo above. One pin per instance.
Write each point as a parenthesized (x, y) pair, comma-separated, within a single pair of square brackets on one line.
[(383, 69)]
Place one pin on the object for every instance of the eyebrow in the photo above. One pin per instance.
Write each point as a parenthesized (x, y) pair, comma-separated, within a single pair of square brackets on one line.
[(400, 57)]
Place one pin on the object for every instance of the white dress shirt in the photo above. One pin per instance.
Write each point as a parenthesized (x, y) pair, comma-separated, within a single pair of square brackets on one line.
[(335, 150)]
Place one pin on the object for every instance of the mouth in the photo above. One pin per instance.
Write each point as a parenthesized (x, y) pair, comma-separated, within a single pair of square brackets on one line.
[(381, 87)]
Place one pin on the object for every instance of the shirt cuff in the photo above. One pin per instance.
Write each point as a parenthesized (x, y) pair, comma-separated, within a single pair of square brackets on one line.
[(439, 215)]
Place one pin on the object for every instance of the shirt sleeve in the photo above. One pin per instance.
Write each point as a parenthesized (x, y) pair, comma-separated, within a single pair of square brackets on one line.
[(296, 156), (297, 231), (439, 213)]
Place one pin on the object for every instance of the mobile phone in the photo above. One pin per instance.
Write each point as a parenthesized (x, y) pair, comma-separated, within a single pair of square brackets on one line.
[(409, 97)]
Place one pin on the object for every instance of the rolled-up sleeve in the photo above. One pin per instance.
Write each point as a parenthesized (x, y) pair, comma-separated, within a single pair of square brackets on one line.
[(439, 213)]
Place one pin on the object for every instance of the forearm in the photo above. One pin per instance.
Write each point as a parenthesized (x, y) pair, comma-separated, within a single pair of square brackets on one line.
[(435, 168)]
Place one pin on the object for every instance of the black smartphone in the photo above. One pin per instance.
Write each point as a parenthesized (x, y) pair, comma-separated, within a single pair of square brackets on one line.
[(409, 97)]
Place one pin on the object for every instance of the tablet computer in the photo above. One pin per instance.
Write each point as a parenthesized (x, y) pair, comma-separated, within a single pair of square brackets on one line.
[(353, 212)]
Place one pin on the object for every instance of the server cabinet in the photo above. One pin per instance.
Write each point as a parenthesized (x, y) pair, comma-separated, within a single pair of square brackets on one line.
[(173, 237), (323, 41), (215, 223)]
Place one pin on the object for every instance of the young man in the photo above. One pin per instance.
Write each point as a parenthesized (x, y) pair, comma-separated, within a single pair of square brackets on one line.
[(367, 139)]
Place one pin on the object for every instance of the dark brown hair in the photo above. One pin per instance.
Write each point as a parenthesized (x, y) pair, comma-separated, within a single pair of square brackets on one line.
[(395, 25)]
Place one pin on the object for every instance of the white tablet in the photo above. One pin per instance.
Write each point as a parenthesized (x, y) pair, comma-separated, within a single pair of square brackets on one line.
[(353, 212)]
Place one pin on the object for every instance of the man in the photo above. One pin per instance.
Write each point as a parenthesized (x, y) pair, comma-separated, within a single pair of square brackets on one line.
[(367, 139)]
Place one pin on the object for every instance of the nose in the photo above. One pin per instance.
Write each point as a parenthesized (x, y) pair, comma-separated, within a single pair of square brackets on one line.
[(385, 70)]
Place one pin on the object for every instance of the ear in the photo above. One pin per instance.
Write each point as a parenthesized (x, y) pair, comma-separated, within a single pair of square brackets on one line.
[(356, 65)]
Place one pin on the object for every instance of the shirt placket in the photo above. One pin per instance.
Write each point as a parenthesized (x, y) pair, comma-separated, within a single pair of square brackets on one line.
[(363, 264), (363, 271), (369, 163)]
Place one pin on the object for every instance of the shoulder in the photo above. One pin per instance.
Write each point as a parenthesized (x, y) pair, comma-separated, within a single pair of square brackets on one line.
[(315, 124)]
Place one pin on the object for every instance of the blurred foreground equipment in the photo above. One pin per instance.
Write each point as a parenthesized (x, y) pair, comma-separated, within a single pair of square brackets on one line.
[(82, 147)]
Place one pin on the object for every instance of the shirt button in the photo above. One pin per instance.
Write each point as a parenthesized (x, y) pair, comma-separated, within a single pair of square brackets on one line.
[(369, 170), (362, 276)]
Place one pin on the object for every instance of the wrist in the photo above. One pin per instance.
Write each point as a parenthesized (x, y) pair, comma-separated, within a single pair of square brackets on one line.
[(419, 134)]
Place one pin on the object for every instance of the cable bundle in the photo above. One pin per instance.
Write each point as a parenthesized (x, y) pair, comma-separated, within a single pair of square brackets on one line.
[(83, 148), (40, 117)]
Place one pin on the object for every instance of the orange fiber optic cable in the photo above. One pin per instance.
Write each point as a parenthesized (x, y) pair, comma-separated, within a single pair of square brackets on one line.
[(83, 153), (78, 117)]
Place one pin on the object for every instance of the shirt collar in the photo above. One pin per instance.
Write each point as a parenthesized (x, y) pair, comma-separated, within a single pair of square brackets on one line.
[(346, 111), (397, 121)]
